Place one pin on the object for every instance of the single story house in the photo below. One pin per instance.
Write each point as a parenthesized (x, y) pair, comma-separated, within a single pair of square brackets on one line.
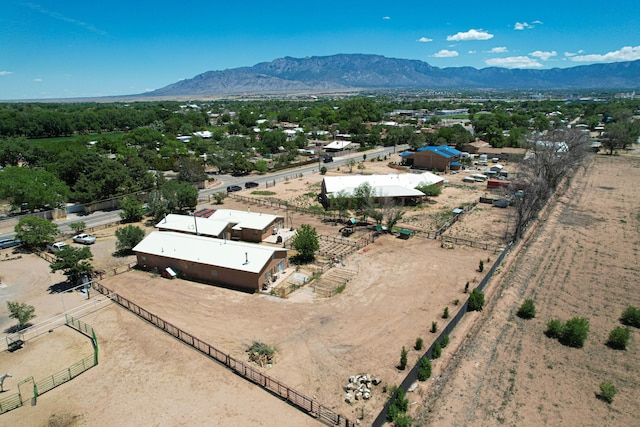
[(400, 188), (226, 224), (239, 265), (438, 157), (504, 153), (336, 146)]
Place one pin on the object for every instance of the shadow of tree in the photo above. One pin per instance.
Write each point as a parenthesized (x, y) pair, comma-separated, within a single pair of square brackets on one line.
[(15, 328), (60, 287)]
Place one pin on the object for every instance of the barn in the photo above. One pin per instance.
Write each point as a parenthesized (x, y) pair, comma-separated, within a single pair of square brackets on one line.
[(400, 188), (238, 265), (439, 157), (226, 224)]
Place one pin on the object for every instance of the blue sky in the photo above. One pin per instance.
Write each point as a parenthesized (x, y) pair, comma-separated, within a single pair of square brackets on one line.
[(68, 48)]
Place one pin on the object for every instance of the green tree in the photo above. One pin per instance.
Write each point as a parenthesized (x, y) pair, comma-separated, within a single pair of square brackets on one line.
[(78, 226), (432, 190), (363, 199), (35, 232), (631, 316), (132, 209), (424, 369), (619, 338), (179, 195), (419, 344), (527, 310), (476, 301), (21, 311), (555, 328), (403, 359), (127, 238), (436, 351), (30, 189), (351, 163), (575, 332), (607, 391), (306, 243), (190, 170), (74, 262), (399, 405)]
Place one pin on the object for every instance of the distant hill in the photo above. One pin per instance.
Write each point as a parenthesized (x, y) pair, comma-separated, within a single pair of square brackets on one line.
[(359, 71)]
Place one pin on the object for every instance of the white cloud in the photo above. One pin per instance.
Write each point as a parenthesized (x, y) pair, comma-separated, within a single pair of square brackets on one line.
[(425, 40), (472, 52), (444, 53), (5, 73), (536, 22), (520, 26), (543, 55), (514, 62), (570, 54), (63, 18), (627, 53), (37, 80), (499, 49), (386, 18), (470, 35)]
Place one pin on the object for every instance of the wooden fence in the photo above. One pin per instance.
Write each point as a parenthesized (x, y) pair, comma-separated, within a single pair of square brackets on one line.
[(298, 400)]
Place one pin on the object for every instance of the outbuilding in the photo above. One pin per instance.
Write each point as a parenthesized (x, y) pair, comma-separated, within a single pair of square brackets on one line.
[(244, 266), (439, 157)]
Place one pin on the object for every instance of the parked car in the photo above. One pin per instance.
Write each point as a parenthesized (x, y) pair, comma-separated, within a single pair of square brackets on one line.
[(9, 243), (327, 159), (85, 239), (232, 188), (55, 247), (251, 184)]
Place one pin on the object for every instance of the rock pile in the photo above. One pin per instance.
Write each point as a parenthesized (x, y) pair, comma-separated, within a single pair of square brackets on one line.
[(359, 387)]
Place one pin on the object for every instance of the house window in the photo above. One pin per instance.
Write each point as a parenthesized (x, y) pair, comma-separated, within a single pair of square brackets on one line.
[(143, 259), (214, 273)]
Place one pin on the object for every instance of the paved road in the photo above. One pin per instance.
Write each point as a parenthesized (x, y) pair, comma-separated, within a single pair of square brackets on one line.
[(105, 217)]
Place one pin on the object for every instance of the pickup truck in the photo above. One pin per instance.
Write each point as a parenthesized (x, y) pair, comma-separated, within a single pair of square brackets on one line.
[(55, 247), (85, 239)]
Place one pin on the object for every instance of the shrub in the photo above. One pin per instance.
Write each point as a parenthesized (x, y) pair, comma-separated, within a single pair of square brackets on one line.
[(527, 310), (554, 329), (323, 170), (445, 315), (398, 406), (403, 359), (419, 344), (631, 316), (575, 332), (481, 266), (403, 420), (619, 338), (476, 301), (436, 351), (434, 327), (424, 369), (456, 302), (445, 341), (607, 391), (466, 288)]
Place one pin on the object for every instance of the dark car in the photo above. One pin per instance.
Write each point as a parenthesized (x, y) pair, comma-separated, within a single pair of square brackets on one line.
[(251, 184), (327, 159), (232, 188)]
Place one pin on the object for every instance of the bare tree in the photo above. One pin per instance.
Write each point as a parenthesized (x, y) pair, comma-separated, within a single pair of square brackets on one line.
[(549, 160)]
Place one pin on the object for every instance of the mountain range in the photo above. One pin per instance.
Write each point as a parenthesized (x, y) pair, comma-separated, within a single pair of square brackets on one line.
[(346, 72)]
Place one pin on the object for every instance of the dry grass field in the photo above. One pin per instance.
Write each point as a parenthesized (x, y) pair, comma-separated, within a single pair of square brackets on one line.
[(498, 368), (581, 261)]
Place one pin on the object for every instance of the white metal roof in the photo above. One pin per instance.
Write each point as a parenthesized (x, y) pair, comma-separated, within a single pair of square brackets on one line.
[(192, 224), (393, 185), (251, 220), (205, 250), (337, 145)]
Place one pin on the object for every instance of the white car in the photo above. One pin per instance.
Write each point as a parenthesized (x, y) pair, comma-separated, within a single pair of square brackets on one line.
[(85, 239), (55, 247)]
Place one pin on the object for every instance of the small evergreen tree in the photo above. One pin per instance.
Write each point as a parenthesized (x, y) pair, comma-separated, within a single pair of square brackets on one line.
[(527, 310), (619, 338), (631, 316), (554, 329), (575, 332), (434, 327), (306, 243), (607, 391), (445, 341), (424, 369), (403, 359), (436, 351), (481, 266), (419, 344), (476, 301), (445, 315)]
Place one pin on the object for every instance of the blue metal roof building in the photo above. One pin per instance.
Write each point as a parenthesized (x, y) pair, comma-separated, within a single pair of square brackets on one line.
[(439, 157)]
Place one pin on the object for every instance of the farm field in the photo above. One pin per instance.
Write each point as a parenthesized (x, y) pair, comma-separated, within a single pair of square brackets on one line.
[(581, 261), (399, 288)]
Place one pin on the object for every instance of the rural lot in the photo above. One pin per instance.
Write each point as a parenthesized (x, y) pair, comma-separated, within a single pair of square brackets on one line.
[(581, 260)]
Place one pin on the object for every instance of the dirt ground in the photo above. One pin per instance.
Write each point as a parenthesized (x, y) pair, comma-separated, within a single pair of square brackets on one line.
[(399, 288), (582, 261)]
